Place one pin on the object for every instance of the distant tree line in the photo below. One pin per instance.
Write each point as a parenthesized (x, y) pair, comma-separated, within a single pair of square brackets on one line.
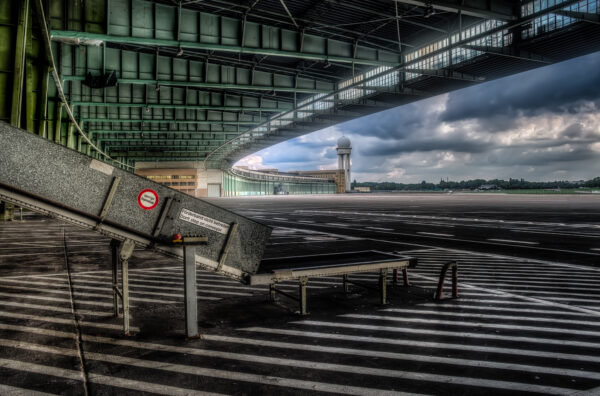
[(510, 184)]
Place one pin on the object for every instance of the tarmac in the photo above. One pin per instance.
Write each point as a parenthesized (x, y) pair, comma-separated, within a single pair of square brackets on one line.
[(527, 320)]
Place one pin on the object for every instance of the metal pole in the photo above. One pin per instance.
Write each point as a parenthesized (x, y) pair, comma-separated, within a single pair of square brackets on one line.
[(303, 282), (190, 291), (124, 254), (125, 291), (114, 246), (383, 284)]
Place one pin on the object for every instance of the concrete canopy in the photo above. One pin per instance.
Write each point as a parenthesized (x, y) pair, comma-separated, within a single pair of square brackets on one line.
[(216, 80)]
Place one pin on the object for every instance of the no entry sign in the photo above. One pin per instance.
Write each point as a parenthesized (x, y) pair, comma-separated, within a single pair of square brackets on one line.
[(148, 199)]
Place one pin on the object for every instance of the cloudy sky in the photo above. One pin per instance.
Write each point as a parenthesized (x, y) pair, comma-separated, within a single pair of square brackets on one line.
[(539, 125)]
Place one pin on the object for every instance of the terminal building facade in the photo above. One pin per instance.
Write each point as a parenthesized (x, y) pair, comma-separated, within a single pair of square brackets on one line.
[(192, 178)]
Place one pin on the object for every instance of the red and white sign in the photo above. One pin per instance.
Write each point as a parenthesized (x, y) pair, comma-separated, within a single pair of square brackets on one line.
[(148, 199)]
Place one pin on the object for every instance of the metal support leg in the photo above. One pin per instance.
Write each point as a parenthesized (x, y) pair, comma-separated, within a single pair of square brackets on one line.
[(405, 276), (383, 285), (272, 292), (124, 254), (439, 292), (191, 299), (114, 250), (303, 282), (125, 291), (346, 283)]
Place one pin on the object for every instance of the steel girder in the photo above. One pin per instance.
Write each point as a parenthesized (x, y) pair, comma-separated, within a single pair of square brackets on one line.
[(83, 37), (501, 10)]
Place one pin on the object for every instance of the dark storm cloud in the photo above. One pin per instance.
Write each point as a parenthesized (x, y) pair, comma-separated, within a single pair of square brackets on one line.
[(557, 88), (537, 125), (398, 123), (546, 157), (456, 143)]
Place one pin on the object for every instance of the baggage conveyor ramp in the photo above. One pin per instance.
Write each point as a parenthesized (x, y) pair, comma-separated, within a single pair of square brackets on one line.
[(54, 180)]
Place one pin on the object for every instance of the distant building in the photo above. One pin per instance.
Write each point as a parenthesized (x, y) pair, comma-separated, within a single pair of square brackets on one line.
[(362, 189), (488, 187), (192, 178)]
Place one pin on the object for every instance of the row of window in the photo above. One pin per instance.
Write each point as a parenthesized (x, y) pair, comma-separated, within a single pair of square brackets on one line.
[(549, 22), (157, 177), (179, 183)]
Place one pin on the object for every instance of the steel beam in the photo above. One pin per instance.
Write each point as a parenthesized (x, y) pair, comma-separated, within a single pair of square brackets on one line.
[(178, 106), (196, 84), (172, 121), (84, 37), (445, 73), (484, 11), (582, 16), (19, 69), (43, 110), (155, 140), (97, 132), (509, 52)]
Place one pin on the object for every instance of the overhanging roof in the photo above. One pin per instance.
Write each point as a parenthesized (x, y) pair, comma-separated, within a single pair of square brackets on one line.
[(218, 79)]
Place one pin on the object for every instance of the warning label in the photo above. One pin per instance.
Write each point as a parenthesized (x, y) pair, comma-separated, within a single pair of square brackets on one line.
[(203, 221), (148, 199)]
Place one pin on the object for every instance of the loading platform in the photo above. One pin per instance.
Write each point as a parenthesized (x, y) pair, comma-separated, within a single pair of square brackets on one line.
[(302, 268)]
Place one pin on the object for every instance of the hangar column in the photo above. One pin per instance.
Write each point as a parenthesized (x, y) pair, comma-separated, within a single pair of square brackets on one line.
[(344, 149)]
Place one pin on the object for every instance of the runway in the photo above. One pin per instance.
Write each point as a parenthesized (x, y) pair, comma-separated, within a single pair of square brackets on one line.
[(527, 320)]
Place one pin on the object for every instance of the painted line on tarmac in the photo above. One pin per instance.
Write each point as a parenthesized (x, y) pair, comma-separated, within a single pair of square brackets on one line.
[(424, 344), (513, 241), (459, 334), (556, 233), (457, 240), (52, 308), (138, 286), (380, 228), (109, 295), (410, 357), (14, 391), (464, 219), (473, 324), (357, 370), (47, 298), (488, 316), (106, 271), (435, 234), (32, 254), (313, 386), (503, 293), (468, 304), (118, 382), (16, 315)]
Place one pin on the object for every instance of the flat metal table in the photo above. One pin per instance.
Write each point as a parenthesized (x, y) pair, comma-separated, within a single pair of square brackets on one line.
[(301, 268)]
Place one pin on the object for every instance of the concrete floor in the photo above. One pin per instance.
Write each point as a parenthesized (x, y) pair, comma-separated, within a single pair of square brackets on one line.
[(527, 320)]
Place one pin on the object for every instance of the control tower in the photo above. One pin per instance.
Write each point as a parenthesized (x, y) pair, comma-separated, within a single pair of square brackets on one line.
[(344, 149)]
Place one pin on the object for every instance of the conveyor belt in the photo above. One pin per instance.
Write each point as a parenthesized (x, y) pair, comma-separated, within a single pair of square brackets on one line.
[(52, 179)]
